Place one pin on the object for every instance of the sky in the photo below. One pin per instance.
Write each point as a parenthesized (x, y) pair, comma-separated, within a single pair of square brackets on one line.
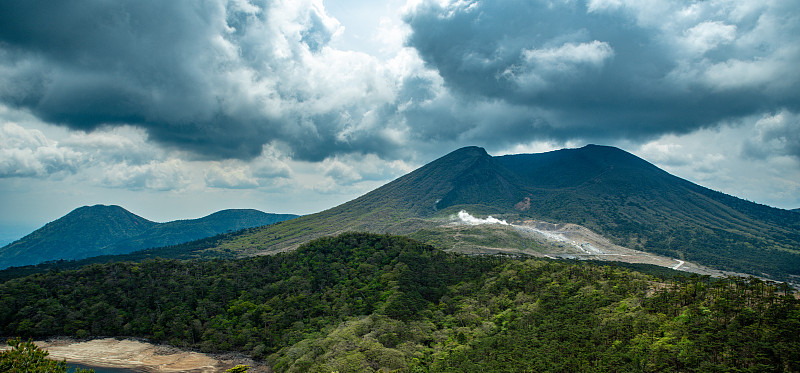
[(177, 109)]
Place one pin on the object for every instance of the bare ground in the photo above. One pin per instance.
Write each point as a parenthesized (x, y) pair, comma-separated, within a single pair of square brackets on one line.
[(572, 241), (133, 354)]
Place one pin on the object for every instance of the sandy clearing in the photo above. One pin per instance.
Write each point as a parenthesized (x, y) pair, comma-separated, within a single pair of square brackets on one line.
[(133, 354), (113, 353)]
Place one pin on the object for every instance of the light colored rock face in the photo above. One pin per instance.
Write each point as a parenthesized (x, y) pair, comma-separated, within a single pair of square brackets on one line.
[(575, 241), (572, 241), (114, 353)]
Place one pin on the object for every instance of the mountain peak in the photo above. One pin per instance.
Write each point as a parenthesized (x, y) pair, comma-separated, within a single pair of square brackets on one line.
[(465, 154), (98, 210), (608, 152), (84, 229), (596, 146), (469, 150)]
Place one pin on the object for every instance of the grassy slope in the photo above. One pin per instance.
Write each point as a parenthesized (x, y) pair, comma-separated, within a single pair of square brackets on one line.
[(398, 207)]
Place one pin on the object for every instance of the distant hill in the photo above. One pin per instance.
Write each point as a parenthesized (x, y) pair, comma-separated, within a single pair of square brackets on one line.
[(180, 231), (107, 230)]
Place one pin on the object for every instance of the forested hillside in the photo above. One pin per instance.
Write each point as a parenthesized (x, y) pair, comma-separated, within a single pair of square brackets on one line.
[(365, 302)]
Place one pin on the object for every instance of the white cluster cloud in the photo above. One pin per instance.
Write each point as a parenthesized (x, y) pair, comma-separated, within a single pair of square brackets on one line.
[(160, 176), (777, 135), (707, 36), (733, 158), (218, 176), (28, 153), (541, 67), (121, 157), (113, 145), (268, 169)]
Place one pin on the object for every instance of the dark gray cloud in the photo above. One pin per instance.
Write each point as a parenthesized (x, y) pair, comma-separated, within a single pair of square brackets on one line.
[(148, 63), (223, 78), (217, 78), (632, 69)]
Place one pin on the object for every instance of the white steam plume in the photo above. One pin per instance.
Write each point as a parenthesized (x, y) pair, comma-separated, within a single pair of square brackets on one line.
[(471, 220)]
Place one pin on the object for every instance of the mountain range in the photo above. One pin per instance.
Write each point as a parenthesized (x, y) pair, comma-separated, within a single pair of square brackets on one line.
[(602, 190), (626, 199), (111, 230)]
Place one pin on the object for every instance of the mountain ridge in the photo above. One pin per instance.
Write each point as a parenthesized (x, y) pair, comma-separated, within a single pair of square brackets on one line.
[(102, 230), (623, 198), (630, 201)]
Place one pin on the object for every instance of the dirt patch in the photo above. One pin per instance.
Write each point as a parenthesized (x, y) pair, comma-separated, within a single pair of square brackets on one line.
[(133, 354), (126, 353), (523, 205)]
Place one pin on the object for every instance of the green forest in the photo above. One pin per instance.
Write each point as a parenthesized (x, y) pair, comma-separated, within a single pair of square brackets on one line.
[(366, 302)]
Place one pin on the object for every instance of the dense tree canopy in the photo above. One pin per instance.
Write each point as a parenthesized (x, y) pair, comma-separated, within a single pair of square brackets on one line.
[(365, 302)]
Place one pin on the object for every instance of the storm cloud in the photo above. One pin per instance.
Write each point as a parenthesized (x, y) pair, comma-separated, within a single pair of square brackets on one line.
[(603, 68), (217, 78), (222, 79)]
